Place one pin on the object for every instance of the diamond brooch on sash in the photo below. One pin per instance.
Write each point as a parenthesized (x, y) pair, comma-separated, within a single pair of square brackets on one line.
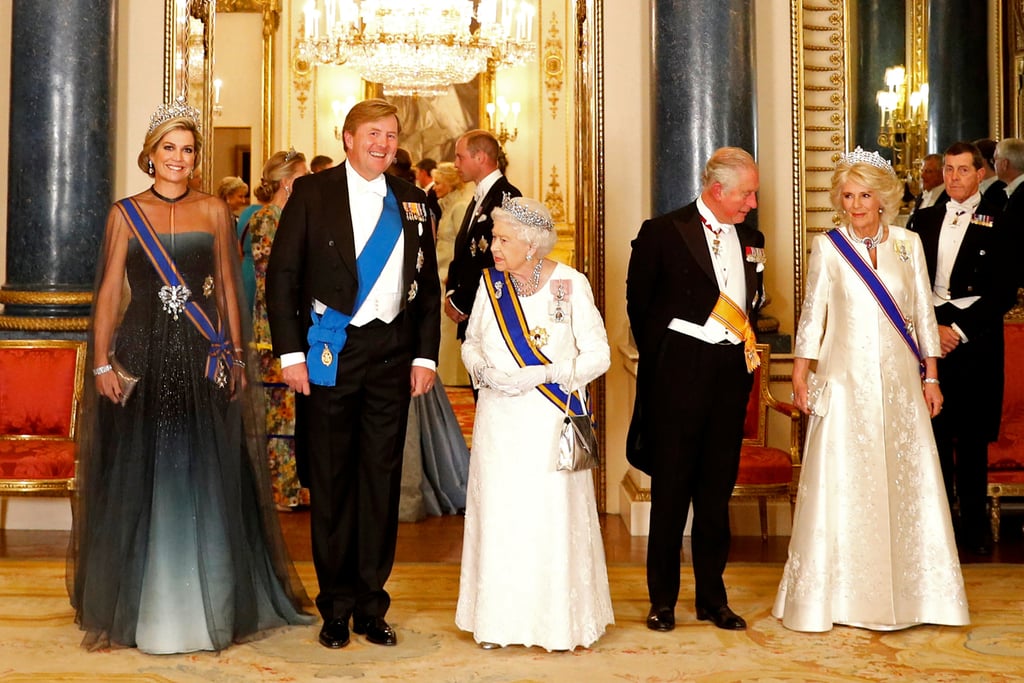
[(499, 288), (174, 298)]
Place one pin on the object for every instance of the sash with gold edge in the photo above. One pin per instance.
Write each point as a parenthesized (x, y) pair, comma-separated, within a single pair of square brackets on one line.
[(219, 358), (734, 319), (882, 296), (512, 323)]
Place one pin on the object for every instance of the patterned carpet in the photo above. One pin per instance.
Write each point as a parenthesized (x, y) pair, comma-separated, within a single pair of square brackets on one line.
[(40, 642)]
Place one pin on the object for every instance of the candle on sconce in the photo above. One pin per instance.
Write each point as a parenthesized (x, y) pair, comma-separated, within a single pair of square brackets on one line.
[(217, 85), (516, 108), (308, 11)]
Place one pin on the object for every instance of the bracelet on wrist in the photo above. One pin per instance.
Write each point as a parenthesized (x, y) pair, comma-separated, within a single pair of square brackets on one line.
[(239, 363), (102, 370), (930, 380)]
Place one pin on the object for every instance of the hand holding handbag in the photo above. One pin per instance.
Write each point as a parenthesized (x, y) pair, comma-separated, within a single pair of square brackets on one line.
[(127, 380), (577, 444)]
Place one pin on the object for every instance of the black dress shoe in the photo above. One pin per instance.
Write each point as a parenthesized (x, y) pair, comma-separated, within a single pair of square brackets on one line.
[(334, 633), (375, 629), (661, 619), (722, 617)]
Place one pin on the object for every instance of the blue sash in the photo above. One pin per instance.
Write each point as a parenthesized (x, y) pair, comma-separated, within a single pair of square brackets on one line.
[(327, 334), (512, 323), (219, 358), (875, 286)]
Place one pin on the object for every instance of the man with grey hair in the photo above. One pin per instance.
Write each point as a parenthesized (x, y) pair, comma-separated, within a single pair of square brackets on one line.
[(1009, 164), (693, 290)]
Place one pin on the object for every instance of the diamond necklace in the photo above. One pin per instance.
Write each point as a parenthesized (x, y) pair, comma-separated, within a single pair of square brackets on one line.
[(527, 288), (871, 242)]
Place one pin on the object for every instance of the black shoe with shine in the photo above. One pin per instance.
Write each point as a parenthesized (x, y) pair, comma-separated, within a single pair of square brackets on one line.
[(375, 629), (722, 617), (661, 619), (334, 633)]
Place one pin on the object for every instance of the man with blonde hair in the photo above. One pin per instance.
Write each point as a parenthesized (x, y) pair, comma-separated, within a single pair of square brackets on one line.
[(693, 290), (354, 305)]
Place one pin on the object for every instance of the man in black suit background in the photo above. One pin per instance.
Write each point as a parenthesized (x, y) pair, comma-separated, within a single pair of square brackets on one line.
[(970, 266), (478, 158), (424, 170), (687, 270), (991, 187), (371, 330), (1009, 165)]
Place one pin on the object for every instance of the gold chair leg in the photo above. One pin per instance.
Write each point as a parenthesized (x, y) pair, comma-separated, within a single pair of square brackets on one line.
[(994, 513)]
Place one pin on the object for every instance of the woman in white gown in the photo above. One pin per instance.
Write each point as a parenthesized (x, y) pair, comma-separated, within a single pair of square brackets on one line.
[(872, 542), (533, 568)]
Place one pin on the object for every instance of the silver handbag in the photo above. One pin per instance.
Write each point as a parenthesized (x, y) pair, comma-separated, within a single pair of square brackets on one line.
[(577, 444)]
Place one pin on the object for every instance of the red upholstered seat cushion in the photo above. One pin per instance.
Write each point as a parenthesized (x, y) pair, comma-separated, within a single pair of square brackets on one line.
[(37, 459), (764, 465), (37, 388)]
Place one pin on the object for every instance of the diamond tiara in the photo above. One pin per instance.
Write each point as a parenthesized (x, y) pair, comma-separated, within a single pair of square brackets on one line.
[(859, 156), (179, 109), (524, 215)]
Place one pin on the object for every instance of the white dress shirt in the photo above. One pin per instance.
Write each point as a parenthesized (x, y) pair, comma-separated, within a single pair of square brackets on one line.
[(729, 272), (954, 227)]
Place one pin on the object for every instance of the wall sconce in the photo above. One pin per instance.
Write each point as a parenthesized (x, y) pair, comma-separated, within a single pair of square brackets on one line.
[(498, 119), (217, 85), (340, 112), (904, 124)]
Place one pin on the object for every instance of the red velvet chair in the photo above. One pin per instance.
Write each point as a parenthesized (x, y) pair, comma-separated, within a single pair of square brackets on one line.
[(41, 385), (1006, 456), (765, 471)]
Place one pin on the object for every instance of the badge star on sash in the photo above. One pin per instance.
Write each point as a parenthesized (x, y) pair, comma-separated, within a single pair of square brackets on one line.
[(538, 337)]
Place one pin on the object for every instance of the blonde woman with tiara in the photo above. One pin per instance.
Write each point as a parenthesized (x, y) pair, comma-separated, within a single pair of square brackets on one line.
[(275, 187)]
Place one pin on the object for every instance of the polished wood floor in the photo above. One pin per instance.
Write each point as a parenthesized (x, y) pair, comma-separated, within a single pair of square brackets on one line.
[(439, 539)]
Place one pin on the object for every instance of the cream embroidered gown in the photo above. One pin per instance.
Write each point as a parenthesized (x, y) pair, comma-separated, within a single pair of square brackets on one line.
[(872, 542), (533, 568)]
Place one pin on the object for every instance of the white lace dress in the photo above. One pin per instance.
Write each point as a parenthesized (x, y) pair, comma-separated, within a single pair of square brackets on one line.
[(872, 542), (533, 568)]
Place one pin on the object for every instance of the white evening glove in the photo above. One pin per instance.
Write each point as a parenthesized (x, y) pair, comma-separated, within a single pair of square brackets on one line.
[(517, 382)]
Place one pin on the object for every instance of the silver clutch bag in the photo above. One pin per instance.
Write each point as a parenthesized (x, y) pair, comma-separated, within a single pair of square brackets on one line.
[(127, 380)]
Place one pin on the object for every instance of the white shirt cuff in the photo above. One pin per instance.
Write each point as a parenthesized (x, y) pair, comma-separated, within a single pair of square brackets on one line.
[(956, 328), (424, 363), (293, 358)]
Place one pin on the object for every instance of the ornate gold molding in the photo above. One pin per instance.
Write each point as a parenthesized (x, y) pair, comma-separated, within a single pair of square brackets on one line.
[(554, 199), (554, 69), (634, 491), (820, 94), (14, 322), (16, 296)]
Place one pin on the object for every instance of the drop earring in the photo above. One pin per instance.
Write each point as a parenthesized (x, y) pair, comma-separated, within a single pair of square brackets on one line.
[(152, 170)]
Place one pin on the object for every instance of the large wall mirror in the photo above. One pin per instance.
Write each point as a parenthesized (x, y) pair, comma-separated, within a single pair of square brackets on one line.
[(841, 49), (236, 60)]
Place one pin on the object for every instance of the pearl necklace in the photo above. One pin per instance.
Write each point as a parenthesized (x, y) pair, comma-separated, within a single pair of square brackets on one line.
[(527, 288)]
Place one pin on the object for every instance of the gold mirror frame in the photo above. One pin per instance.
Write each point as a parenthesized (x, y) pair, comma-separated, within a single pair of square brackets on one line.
[(196, 49), (589, 124), (820, 60)]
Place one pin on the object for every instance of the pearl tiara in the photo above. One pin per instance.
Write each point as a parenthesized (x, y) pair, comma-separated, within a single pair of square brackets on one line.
[(526, 216), (859, 156), (179, 109)]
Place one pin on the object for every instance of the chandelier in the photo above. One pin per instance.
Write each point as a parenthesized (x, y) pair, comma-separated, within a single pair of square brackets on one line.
[(904, 123), (418, 48)]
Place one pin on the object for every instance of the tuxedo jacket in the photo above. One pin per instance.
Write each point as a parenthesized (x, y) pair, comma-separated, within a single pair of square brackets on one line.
[(1011, 220), (671, 275), (473, 249), (983, 268), (314, 257)]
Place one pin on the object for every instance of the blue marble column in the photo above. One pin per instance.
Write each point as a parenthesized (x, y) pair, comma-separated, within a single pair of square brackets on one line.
[(879, 39), (958, 77), (60, 172), (704, 91)]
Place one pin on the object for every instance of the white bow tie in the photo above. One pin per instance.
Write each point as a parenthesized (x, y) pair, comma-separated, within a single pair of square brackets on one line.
[(957, 207), (378, 186)]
